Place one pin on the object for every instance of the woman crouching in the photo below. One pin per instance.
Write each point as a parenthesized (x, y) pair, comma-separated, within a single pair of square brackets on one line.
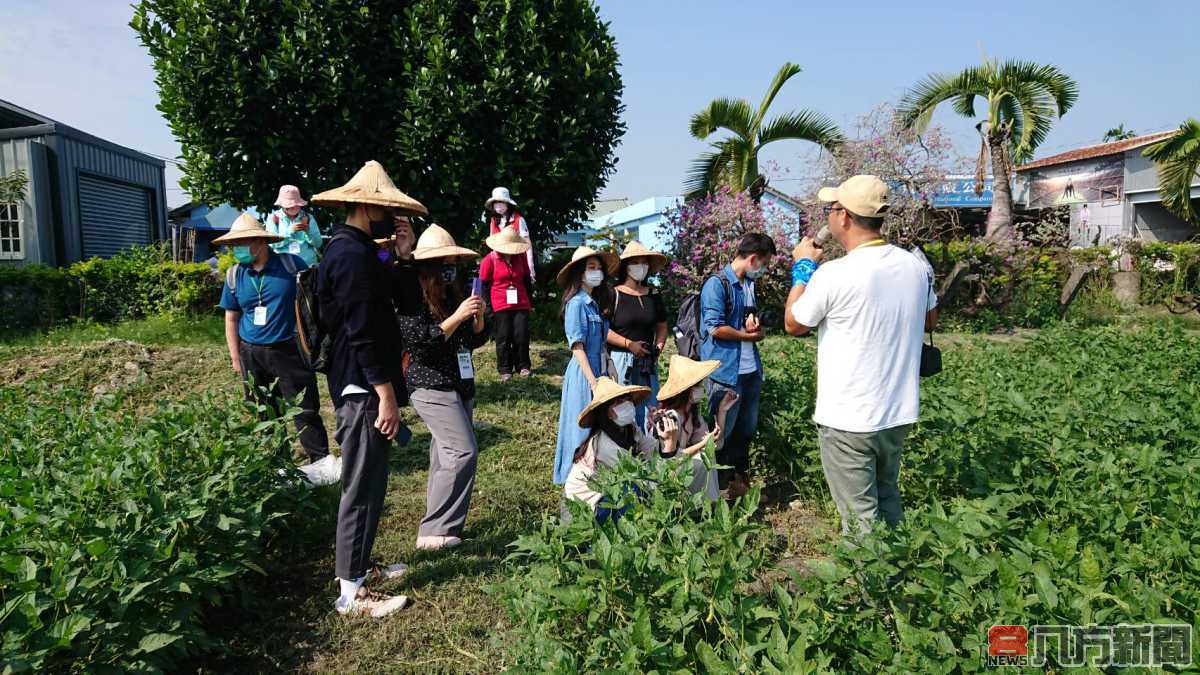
[(680, 425)]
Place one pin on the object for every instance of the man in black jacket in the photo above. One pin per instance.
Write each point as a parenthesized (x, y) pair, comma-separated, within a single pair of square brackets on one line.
[(365, 377)]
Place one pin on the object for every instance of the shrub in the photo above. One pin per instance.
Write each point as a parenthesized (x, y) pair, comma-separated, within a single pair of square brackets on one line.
[(36, 296), (118, 531), (660, 590), (705, 234), (1167, 270)]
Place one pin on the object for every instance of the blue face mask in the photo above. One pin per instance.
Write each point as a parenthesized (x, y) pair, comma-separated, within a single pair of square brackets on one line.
[(756, 273), (243, 255)]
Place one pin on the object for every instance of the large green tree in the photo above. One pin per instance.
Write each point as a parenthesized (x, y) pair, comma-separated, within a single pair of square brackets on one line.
[(733, 163), (453, 97), (1023, 98), (1178, 160)]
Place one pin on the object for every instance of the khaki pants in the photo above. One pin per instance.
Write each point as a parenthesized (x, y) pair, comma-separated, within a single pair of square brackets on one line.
[(862, 471)]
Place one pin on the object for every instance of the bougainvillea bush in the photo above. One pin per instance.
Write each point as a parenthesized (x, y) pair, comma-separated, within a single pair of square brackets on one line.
[(705, 234)]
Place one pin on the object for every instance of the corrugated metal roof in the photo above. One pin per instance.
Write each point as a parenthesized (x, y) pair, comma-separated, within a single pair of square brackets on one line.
[(1102, 150)]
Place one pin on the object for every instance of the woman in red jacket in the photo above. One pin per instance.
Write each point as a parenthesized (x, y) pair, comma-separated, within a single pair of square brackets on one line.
[(502, 212), (507, 282)]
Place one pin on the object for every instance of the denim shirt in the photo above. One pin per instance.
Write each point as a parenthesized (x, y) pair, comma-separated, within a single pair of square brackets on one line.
[(582, 323), (712, 317)]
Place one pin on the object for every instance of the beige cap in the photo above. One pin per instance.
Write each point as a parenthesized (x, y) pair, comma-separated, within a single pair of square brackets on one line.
[(246, 228), (865, 196), (436, 243), (606, 390)]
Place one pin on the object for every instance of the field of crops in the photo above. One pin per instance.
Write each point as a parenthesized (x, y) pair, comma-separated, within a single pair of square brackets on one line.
[(1051, 481)]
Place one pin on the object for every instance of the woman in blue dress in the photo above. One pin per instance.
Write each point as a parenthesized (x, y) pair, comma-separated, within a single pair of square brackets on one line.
[(586, 329)]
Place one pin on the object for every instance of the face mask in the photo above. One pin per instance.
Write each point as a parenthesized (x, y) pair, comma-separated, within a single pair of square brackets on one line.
[(243, 255), (697, 394), (624, 413), (756, 273), (383, 228), (592, 278), (500, 207), (638, 272), (449, 274)]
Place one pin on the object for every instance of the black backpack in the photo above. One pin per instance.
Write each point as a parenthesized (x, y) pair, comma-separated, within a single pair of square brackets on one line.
[(687, 322)]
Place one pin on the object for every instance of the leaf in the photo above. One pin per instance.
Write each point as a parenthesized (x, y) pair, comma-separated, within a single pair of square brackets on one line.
[(1046, 590), (65, 629), (156, 641)]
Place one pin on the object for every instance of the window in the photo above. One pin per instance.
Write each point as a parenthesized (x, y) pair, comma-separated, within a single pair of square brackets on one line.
[(12, 243)]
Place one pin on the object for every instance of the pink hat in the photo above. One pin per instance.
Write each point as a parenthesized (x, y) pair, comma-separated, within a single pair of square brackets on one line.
[(289, 197)]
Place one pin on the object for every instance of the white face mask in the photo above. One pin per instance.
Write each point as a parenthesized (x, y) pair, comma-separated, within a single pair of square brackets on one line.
[(697, 394), (624, 413), (500, 207), (638, 272), (592, 278)]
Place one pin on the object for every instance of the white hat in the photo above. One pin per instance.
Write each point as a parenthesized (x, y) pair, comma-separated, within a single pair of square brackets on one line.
[(500, 194)]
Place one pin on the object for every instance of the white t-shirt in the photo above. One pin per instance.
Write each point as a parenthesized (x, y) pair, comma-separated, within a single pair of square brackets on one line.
[(869, 311)]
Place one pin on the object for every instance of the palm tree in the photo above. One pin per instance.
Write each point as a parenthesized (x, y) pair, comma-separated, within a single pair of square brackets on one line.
[(734, 160), (1178, 159), (1022, 100), (1118, 133)]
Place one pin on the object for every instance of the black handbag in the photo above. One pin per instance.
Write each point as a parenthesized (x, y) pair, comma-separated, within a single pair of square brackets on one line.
[(931, 358)]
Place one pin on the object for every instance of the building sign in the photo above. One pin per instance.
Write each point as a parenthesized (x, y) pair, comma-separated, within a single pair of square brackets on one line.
[(959, 192), (1095, 181)]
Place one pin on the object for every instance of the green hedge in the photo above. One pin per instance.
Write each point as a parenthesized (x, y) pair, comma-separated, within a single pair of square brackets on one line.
[(118, 531), (1160, 285), (136, 283)]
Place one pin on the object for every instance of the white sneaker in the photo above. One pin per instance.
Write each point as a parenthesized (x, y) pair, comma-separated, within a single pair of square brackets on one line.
[(373, 605), (437, 542), (379, 573), (325, 471)]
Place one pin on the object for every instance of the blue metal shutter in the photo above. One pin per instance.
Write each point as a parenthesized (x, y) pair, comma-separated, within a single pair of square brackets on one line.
[(113, 216)]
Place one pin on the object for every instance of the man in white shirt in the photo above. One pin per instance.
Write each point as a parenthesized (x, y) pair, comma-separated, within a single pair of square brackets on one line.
[(870, 309)]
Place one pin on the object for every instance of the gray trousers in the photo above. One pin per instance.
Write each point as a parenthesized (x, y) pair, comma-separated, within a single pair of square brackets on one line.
[(452, 457), (364, 483), (862, 470)]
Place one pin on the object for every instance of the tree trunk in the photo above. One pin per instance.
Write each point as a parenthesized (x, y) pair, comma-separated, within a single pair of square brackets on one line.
[(999, 222)]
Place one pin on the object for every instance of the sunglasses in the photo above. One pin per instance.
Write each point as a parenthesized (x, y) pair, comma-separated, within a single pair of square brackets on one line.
[(831, 208)]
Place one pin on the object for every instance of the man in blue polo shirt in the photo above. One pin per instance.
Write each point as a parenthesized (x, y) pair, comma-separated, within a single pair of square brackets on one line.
[(729, 331), (259, 300)]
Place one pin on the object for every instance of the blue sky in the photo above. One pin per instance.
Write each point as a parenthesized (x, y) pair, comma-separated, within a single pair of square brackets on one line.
[(1135, 63)]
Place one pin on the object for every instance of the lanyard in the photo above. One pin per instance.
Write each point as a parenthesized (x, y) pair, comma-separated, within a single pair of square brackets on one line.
[(257, 282), (873, 242)]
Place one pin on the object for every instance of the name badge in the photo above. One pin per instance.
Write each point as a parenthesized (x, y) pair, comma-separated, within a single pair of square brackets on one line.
[(260, 316), (294, 248), (510, 296), (466, 370)]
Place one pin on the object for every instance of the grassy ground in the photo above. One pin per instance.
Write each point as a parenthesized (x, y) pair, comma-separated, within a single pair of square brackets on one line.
[(451, 625)]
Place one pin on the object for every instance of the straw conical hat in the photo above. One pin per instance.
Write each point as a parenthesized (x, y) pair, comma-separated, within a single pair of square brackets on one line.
[(371, 185), (508, 241), (685, 374), (634, 249), (435, 243), (580, 257), (607, 390), (246, 228)]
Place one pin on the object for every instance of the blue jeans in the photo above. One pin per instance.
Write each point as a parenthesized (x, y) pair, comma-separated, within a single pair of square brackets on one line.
[(626, 373), (740, 423)]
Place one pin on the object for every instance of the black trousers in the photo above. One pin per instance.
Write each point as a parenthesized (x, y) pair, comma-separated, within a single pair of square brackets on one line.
[(279, 369), (512, 340)]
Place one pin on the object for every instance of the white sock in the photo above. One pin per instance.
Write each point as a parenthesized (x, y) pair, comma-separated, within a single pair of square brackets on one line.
[(350, 588)]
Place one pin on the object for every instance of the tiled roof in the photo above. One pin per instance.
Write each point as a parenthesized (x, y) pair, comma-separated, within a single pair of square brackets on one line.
[(1102, 150)]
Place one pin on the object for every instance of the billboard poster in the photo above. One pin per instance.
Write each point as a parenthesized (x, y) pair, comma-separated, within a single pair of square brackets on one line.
[(1097, 180)]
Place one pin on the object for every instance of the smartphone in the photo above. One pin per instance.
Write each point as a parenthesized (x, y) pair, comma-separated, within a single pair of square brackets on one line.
[(476, 287)]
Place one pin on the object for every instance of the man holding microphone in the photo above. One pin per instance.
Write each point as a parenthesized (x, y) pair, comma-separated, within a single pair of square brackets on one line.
[(870, 309)]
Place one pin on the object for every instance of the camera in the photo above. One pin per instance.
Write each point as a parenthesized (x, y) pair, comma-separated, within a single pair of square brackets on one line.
[(658, 420)]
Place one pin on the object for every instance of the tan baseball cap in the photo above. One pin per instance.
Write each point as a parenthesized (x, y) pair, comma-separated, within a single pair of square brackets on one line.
[(865, 196)]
